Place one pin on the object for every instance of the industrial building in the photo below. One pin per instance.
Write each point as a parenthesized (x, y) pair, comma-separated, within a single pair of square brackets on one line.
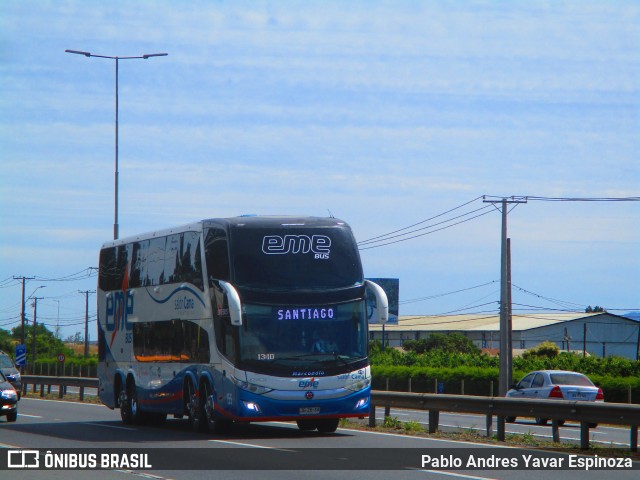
[(599, 334)]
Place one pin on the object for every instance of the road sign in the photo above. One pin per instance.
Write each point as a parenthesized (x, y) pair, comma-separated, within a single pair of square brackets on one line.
[(21, 355), (61, 357)]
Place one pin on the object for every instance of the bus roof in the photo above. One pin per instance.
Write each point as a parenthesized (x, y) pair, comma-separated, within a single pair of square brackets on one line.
[(262, 221), (255, 221)]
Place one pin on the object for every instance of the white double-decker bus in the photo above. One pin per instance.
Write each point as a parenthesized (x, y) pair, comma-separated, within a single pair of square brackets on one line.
[(245, 319)]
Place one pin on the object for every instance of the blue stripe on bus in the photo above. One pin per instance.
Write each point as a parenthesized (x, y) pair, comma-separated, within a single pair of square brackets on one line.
[(188, 289)]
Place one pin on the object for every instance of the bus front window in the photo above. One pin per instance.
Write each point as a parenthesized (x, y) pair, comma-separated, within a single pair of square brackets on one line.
[(319, 337)]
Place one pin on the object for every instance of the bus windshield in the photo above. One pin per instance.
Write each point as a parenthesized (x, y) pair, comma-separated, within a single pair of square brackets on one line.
[(311, 338), (296, 258)]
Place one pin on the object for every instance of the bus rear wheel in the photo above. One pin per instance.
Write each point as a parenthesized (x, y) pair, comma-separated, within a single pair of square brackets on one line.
[(215, 424), (129, 411), (195, 409)]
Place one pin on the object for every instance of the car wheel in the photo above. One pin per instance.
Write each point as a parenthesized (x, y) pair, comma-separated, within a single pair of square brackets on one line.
[(541, 421), (509, 419), (12, 417), (561, 423)]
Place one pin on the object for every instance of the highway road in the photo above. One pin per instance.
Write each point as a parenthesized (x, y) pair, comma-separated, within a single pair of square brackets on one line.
[(281, 447)]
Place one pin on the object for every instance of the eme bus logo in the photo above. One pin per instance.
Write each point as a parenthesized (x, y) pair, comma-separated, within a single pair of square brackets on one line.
[(319, 245), (313, 383), (119, 306)]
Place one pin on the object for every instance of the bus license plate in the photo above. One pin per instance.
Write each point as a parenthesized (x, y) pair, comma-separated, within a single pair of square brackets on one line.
[(309, 410)]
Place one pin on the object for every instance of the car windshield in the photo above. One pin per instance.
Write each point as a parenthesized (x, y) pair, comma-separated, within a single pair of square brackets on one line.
[(570, 379), (5, 362)]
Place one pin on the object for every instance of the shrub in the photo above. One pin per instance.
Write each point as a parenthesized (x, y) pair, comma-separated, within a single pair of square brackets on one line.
[(546, 349)]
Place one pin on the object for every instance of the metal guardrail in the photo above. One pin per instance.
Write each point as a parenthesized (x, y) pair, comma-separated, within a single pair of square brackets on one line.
[(587, 413), (61, 382)]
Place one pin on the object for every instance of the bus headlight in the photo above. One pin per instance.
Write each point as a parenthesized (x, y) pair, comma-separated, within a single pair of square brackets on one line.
[(251, 387), (251, 406), (359, 385)]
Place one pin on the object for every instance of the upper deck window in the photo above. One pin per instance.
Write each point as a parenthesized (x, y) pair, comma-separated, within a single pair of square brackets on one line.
[(157, 261)]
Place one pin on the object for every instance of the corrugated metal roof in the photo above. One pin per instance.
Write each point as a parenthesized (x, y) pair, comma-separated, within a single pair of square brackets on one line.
[(479, 322)]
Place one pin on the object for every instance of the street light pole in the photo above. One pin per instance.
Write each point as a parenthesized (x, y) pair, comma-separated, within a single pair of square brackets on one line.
[(117, 59)]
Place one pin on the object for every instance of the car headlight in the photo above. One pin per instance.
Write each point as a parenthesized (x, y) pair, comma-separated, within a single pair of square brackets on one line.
[(14, 376), (9, 394)]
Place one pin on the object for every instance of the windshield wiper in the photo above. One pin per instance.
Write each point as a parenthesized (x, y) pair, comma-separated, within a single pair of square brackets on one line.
[(313, 354)]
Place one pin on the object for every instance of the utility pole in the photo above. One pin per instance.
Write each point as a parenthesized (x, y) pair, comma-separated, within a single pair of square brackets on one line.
[(506, 352), (33, 336), (509, 317), (24, 279), (86, 321)]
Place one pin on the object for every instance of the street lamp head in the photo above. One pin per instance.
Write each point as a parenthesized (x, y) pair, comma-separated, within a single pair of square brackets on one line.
[(147, 55), (77, 52)]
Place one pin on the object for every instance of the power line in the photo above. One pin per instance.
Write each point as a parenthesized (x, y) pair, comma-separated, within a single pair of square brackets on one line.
[(418, 223), (414, 300), (565, 199), (583, 199), (430, 232), (88, 272), (562, 303)]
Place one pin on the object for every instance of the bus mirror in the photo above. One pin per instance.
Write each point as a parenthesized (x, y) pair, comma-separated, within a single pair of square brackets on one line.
[(233, 300), (381, 307)]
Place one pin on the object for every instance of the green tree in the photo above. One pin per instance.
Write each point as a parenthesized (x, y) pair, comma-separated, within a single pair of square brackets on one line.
[(7, 344), (47, 345), (596, 309)]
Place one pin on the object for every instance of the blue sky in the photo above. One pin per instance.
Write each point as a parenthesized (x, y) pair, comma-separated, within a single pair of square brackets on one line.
[(382, 113)]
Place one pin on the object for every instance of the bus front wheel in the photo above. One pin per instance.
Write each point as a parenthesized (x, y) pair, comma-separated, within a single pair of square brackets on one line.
[(307, 425), (328, 425), (324, 425)]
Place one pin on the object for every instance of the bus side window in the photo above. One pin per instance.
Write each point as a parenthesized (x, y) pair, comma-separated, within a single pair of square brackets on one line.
[(107, 277), (225, 333), (217, 254), (138, 259), (155, 262), (190, 259)]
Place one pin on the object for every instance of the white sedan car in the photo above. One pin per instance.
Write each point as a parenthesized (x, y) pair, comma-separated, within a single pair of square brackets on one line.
[(555, 385)]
